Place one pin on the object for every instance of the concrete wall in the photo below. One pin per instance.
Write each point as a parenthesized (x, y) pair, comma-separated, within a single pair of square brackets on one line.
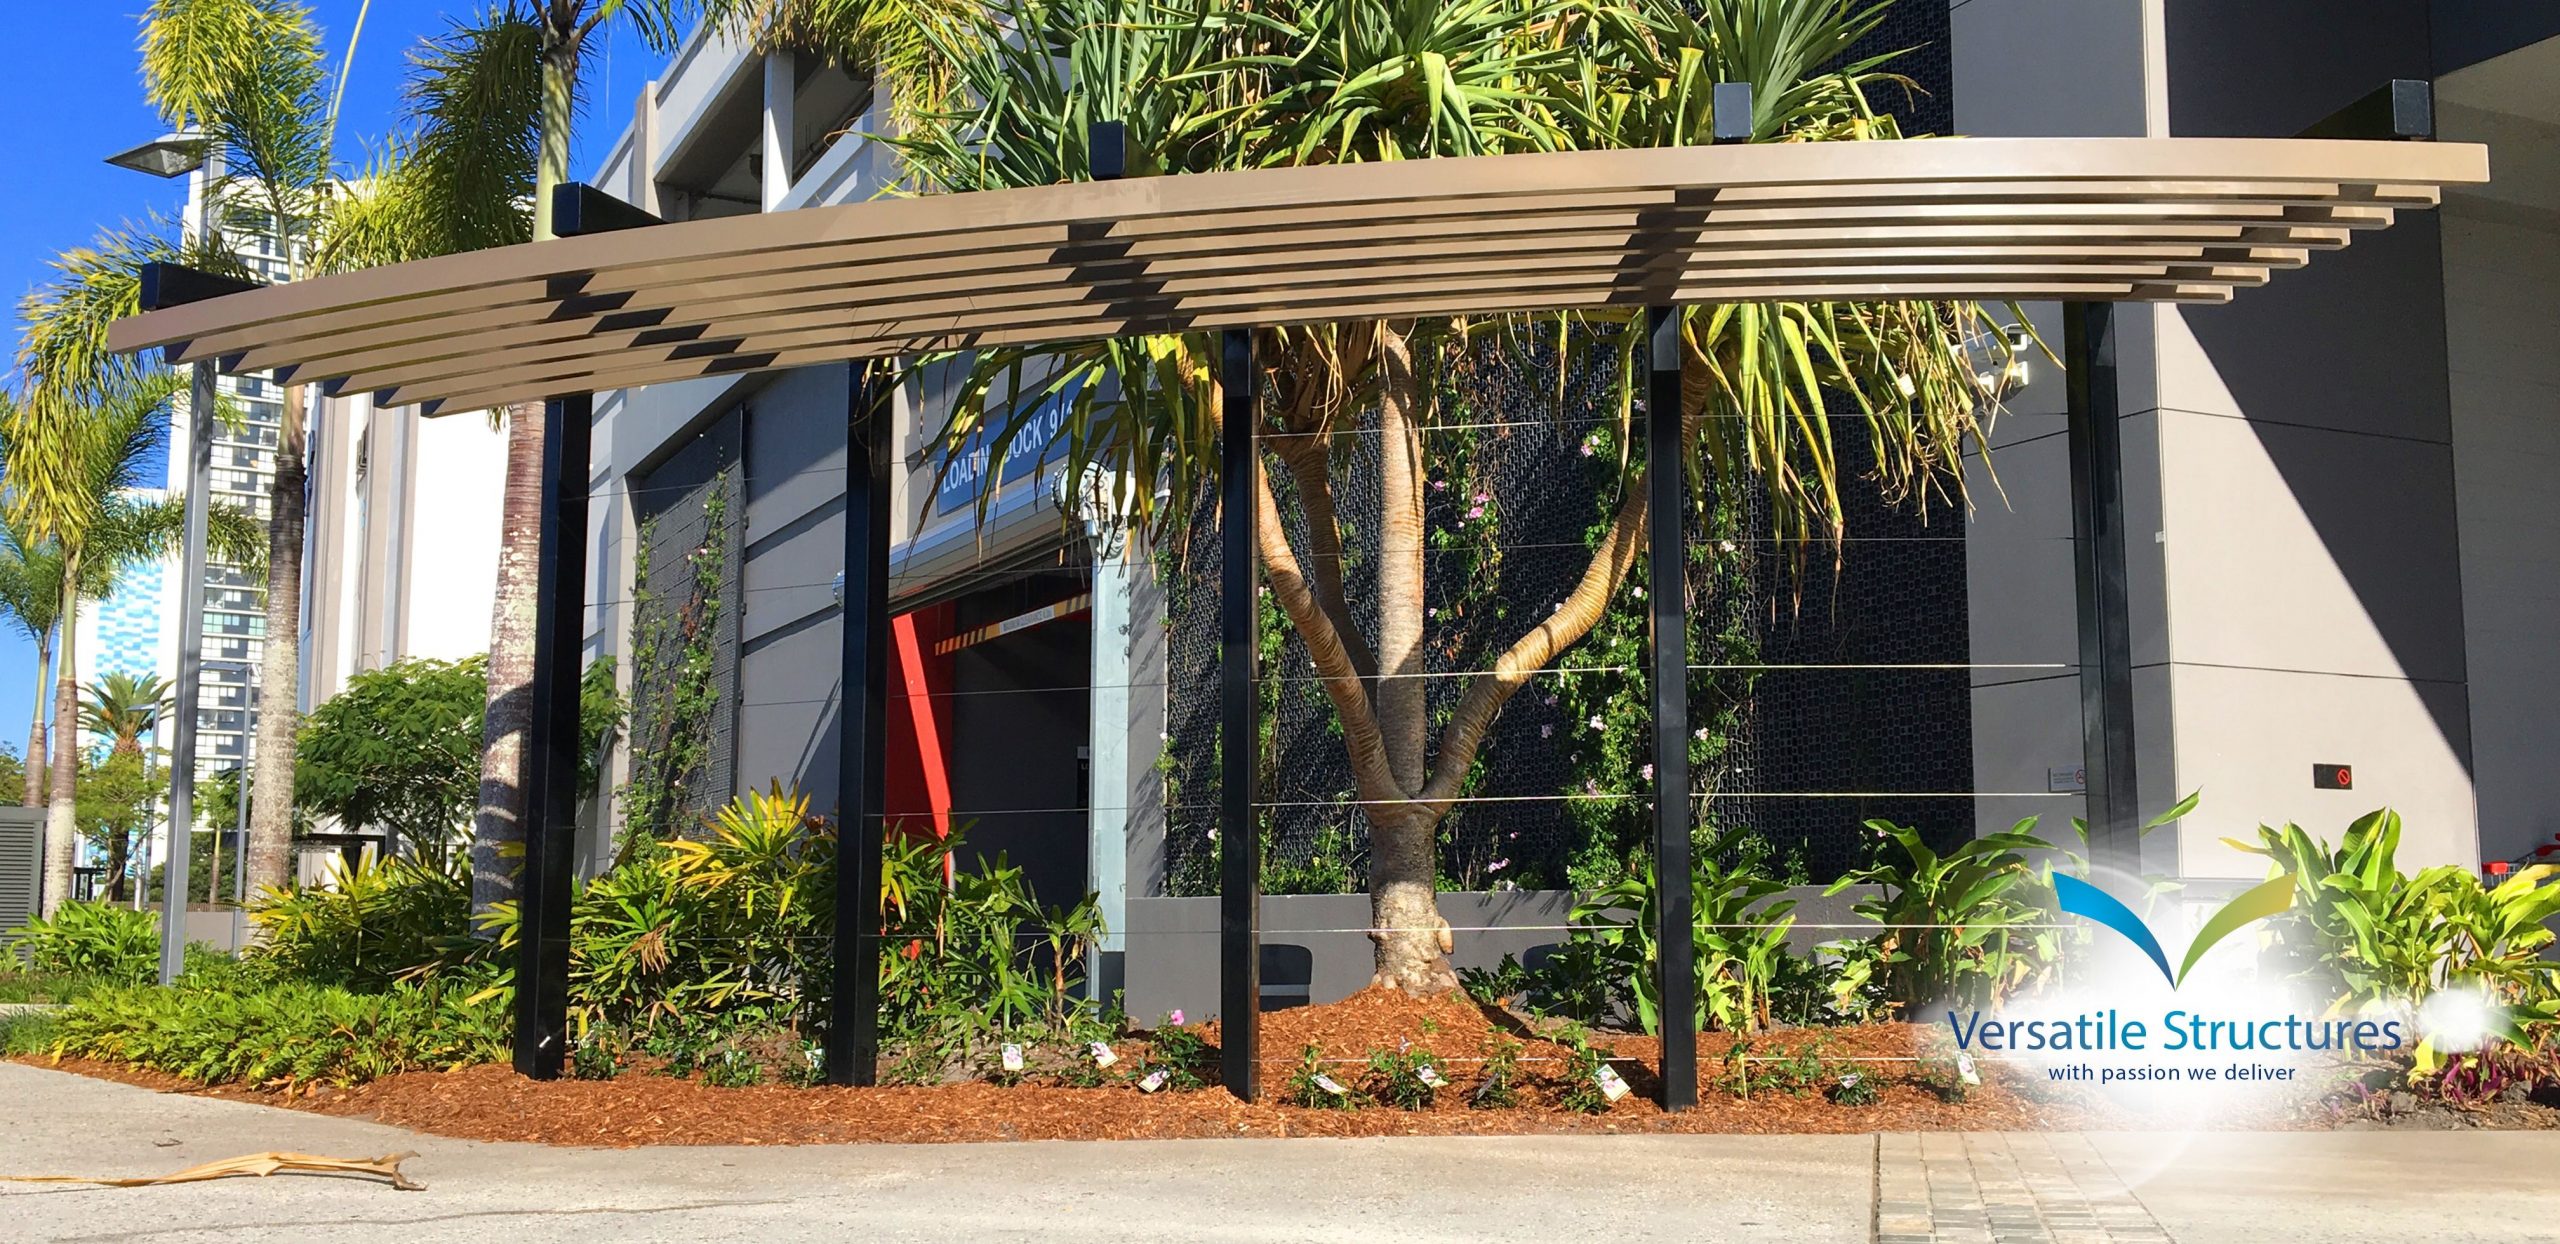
[(1172, 959), (2313, 593), (2501, 268), (2289, 471)]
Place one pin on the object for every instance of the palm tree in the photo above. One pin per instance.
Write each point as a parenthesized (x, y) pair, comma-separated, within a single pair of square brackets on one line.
[(491, 103), (70, 467), (121, 706), (902, 42), (1287, 82), (250, 76), (52, 444), (31, 592)]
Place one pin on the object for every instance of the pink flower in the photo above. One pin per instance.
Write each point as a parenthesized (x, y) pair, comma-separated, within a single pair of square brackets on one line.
[(1439, 485), (1475, 511), (1595, 721), (1546, 732), (1498, 865), (1481, 498), (1646, 772), (1175, 1019)]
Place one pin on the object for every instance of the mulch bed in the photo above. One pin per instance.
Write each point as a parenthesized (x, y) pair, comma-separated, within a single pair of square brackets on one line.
[(492, 1103)]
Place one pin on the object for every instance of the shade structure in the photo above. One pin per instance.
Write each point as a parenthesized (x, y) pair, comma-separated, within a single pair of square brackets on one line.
[(2099, 219)]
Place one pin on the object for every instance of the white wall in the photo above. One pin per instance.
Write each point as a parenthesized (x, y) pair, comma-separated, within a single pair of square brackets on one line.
[(457, 502)]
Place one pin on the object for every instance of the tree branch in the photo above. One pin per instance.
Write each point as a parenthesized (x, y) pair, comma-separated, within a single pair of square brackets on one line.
[(1581, 610), (1403, 711), (1341, 679), (1310, 460)]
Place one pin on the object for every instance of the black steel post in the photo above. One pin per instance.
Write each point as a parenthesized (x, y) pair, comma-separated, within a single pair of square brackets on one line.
[(2105, 602), (1239, 846), (550, 770), (1667, 505), (853, 1010)]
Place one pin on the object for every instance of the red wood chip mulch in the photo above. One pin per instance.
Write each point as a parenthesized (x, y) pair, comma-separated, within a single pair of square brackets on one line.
[(493, 1103)]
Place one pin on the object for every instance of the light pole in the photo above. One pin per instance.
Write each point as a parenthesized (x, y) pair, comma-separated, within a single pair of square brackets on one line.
[(171, 156)]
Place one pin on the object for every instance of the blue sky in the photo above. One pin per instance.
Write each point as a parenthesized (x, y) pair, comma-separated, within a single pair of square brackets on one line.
[(73, 96)]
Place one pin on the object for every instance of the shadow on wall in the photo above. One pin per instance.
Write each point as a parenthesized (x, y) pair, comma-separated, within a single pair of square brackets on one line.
[(2354, 343)]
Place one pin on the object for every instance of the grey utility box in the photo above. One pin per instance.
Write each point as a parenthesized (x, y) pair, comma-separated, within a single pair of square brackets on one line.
[(21, 865)]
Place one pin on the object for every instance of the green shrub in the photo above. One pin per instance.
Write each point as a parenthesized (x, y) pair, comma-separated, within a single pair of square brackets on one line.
[(1739, 932), (1854, 1089), (95, 940), (289, 1033), (1313, 1086), (1181, 1053), (384, 920), (1500, 1087), (1403, 1078), (1953, 921)]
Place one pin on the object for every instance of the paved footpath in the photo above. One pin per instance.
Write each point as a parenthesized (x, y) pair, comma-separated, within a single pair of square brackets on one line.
[(1973, 1189)]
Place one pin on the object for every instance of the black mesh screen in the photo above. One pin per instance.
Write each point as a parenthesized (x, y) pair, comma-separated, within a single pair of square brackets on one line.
[(1798, 756)]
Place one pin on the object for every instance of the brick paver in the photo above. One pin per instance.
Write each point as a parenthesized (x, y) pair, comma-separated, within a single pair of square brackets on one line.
[(2029, 1188)]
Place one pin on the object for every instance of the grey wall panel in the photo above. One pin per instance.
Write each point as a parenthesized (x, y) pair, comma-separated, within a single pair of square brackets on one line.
[(2506, 421), (2041, 68), (2269, 68), (2466, 32)]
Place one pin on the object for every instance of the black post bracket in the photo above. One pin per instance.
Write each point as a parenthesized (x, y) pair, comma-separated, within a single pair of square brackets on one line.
[(578, 209), (166, 285), (2403, 108)]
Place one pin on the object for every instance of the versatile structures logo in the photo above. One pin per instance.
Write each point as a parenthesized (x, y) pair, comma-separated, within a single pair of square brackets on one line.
[(2123, 1029)]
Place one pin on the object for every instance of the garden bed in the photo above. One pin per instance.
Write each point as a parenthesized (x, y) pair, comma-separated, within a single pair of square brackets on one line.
[(1790, 1093), (640, 1108)]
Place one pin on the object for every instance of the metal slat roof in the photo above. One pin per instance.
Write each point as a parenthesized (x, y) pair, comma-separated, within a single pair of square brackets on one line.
[(2123, 219)]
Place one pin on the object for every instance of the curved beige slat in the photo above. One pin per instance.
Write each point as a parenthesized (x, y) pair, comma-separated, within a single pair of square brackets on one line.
[(1940, 218), (950, 332), (746, 333), (1040, 285), (925, 336), (568, 294), (332, 346), (2238, 160)]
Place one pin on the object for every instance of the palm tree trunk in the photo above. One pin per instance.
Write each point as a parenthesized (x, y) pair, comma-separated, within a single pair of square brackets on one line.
[(62, 817), (36, 753), (500, 819), (269, 852)]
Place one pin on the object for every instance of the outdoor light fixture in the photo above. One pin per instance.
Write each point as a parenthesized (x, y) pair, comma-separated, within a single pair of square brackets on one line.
[(170, 155)]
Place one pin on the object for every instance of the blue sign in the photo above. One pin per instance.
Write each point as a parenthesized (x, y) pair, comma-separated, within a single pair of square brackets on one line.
[(1035, 446)]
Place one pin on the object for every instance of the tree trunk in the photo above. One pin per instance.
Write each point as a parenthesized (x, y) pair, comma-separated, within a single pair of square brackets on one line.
[(62, 813), (119, 856), (499, 821), (36, 753), (270, 847), (1404, 911)]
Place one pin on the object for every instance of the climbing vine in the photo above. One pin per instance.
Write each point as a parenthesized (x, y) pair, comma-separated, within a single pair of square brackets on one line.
[(674, 673)]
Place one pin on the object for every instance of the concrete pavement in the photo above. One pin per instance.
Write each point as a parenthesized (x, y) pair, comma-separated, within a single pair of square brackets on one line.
[(2401, 1188)]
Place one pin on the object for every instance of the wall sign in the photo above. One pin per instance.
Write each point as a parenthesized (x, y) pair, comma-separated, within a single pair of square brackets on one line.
[(2333, 777)]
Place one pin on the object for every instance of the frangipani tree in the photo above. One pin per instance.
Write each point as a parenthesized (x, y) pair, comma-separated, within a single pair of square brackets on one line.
[(1205, 85)]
